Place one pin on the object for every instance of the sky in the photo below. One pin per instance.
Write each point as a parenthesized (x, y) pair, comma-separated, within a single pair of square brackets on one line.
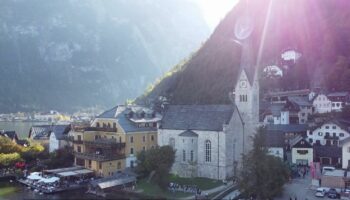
[(215, 10)]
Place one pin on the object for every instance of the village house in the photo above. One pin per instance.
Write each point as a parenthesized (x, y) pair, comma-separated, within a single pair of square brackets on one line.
[(292, 110), (112, 141), (134, 125), (339, 100), (302, 151), (321, 103), (58, 137), (42, 133), (329, 132)]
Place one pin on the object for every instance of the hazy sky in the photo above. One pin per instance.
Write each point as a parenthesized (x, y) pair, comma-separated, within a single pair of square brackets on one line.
[(215, 10)]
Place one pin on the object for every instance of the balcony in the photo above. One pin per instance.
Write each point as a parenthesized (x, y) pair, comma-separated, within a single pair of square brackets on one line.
[(103, 143), (98, 157), (102, 129)]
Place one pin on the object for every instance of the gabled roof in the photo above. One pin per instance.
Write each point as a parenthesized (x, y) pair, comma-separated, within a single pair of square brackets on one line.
[(44, 131), (299, 142), (126, 121), (197, 117), (9, 134), (60, 131), (188, 133), (300, 101)]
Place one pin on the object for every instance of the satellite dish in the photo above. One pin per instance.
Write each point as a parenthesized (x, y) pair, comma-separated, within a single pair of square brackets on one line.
[(243, 27)]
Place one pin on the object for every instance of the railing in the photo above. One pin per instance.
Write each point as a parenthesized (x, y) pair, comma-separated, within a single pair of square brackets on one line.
[(98, 157), (103, 142), (103, 129)]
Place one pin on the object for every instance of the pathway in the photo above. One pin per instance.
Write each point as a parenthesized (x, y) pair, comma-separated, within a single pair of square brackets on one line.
[(213, 190)]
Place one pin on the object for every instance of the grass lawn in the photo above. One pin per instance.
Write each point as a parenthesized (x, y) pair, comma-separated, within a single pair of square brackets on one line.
[(202, 183), (153, 190)]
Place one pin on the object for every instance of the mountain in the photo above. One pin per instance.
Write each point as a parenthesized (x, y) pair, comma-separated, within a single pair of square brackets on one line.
[(318, 29), (72, 54)]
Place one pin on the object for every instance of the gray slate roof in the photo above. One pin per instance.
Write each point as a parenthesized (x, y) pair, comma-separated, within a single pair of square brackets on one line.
[(197, 117), (44, 131), (300, 101), (288, 127), (120, 114), (274, 139)]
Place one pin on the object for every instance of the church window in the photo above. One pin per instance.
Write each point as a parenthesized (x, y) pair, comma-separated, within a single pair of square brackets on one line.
[(172, 142), (207, 151), (191, 155), (183, 155)]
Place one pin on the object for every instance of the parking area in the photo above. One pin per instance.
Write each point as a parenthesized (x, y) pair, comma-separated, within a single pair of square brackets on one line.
[(299, 189)]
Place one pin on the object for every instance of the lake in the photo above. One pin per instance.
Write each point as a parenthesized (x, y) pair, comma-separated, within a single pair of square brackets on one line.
[(21, 128)]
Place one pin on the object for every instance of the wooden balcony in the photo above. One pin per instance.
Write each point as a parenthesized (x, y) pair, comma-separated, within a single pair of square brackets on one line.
[(99, 157)]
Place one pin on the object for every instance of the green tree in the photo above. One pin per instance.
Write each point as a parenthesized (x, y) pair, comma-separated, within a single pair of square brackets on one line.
[(159, 160), (9, 159), (262, 176)]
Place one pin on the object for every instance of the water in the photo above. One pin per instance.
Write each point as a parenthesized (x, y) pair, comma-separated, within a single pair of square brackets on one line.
[(14, 190), (21, 128)]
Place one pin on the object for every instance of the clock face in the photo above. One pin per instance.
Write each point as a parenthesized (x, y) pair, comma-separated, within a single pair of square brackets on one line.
[(243, 84), (243, 27)]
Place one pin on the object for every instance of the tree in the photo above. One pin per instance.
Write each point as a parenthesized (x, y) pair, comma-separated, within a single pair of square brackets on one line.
[(262, 176), (9, 159), (160, 160)]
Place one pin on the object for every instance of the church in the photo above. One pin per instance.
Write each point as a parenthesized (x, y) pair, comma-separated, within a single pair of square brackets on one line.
[(210, 139)]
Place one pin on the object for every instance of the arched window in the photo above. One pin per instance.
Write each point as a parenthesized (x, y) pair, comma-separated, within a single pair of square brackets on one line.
[(207, 151), (98, 125), (172, 142)]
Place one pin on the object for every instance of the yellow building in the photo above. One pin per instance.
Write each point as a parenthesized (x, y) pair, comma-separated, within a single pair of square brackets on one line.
[(99, 149), (134, 125)]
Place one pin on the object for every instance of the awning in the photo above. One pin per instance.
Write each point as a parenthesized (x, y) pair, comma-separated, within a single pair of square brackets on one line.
[(50, 180), (34, 176), (84, 171), (116, 182), (64, 169), (66, 174)]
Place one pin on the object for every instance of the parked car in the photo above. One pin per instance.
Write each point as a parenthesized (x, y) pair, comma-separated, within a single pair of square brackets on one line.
[(320, 192), (333, 194)]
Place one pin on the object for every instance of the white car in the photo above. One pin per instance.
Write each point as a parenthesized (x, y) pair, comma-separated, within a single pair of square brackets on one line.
[(320, 192)]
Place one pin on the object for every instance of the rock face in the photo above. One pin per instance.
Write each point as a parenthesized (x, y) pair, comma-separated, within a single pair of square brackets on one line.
[(69, 54), (318, 29)]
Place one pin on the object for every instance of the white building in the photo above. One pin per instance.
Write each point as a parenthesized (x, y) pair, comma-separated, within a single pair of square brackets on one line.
[(329, 133), (345, 144), (302, 151), (209, 139), (57, 138), (339, 100), (322, 104)]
